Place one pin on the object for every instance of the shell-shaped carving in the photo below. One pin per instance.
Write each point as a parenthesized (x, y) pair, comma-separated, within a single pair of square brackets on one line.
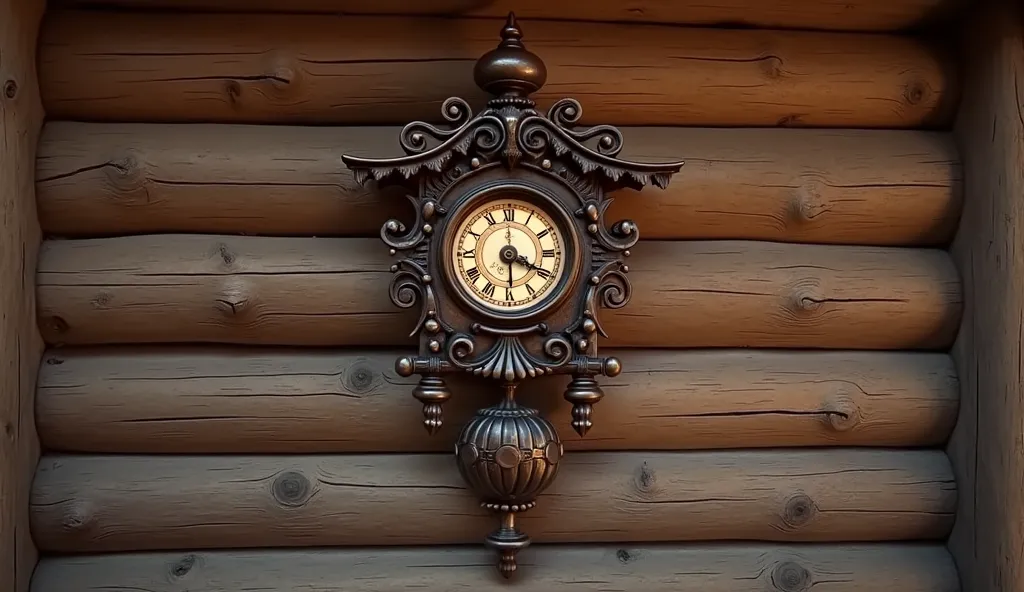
[(508, 454), (508, 360)]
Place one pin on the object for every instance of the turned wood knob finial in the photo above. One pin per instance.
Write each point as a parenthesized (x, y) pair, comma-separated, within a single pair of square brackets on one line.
[(510, 70)]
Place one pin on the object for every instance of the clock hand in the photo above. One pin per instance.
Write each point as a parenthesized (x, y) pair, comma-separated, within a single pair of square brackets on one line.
[(523, 261), (509, 276)]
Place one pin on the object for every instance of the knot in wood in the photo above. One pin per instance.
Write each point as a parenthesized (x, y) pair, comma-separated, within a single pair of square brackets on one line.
[(626, 556), (282, 72), (806, 296), (225, 254), (102, 300), (184, 565), (57, 324), (914, 92), (771, 66), (233, 90), (291, 489), (790, 576), (234, 299), (806, 202), (798, 511), (10, 89), (77, 517), (359, 378), (842, 412), (646, 481)]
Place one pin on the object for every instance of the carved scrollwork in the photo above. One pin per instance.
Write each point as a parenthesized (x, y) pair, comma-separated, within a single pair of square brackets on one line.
[(565, 113), (609, 288), (507, 359), (455, 111), (622, 235), (482, 135), (408, 287)]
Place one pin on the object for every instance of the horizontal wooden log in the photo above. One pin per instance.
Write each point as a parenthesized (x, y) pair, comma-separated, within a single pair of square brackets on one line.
[(867, 187), (119, 503), (261, 68), (545, 568), (214, 400), (842, 15), (324, 291)]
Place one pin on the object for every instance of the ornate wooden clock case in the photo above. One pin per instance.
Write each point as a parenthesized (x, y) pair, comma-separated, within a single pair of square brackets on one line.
[(510, 261)]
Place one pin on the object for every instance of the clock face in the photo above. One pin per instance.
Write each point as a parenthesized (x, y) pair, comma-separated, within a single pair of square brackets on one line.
[(508, 254)]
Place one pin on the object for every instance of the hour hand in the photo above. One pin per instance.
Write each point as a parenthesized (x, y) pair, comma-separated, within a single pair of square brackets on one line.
[(523, 261)]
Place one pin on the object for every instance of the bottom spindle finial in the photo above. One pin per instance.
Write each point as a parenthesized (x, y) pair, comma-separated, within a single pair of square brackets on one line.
[(583, 392), (508, 541), (432, 392)]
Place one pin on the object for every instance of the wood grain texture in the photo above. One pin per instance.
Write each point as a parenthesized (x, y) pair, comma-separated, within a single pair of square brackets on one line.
[(841, 15), (324, 291), (266, 68), (550, 568), (868, 187), (988, 542), (21, 118), (249, 400), (118, 503)]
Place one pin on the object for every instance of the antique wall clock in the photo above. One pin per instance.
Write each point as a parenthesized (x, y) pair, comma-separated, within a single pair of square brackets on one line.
[(510, 261)]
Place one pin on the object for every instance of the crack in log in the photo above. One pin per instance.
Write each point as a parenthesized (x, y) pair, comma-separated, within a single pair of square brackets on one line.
[(743, 413)]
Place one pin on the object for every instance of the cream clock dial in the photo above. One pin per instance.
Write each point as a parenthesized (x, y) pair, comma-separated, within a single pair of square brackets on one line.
[(508, 254)]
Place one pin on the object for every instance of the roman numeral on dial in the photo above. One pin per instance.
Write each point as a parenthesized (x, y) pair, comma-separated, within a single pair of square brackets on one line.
[(473, 274), (489, 289), (469, 254), (543, 233), (489, 216), (510, 215), (543, 273), (549, 252), (508, 295)]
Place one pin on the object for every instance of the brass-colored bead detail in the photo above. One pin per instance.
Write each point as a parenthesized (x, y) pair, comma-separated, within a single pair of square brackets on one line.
[(392, 252), (626, 253), (589, 326), (427, 228), (592, 212), (429, 209), (427, 279), (592, 228), (432, 326), (625, 269), (582, 345), (404, 367), (394, 268), (435, 345), (595, 280), (475, 163), (612, 367), (545, 164)]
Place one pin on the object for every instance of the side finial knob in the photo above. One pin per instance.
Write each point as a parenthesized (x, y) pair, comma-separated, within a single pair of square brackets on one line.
[(510, 70)]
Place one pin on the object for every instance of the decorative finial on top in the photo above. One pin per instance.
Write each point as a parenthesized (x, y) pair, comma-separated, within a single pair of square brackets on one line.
[(510, 70)]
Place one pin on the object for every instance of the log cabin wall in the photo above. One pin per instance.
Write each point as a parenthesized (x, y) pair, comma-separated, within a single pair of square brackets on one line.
[(218, 406)]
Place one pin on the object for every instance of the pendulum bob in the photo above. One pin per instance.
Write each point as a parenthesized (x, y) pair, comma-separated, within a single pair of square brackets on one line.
[(508, 454)]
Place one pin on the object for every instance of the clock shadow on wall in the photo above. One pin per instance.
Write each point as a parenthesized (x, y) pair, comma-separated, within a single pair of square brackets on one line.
[(510, 260)]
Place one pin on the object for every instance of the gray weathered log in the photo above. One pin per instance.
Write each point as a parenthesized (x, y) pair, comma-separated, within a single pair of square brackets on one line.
[(325, 291), (546, 568), (119, 503), (252, 400), (864, 187)]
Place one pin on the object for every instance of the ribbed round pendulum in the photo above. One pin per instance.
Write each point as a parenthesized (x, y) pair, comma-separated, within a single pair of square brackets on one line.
[(508, 454)]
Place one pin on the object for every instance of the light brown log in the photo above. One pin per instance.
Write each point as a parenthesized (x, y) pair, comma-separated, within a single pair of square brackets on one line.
[(215, 400), (262, 68), (21, 118), (867, 187), (544, 568), (988, 542), (321, 291), (855, 15), (117, 503)]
